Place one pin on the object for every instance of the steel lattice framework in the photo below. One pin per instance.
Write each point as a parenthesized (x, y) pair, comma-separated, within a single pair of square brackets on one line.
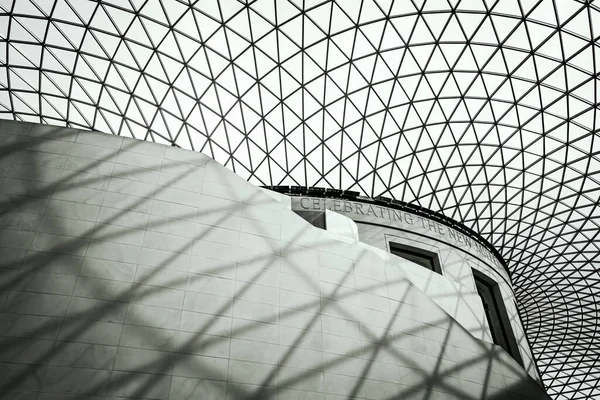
[(484, 110)]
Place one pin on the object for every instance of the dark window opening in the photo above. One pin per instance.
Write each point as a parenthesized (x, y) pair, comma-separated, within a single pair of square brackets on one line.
[(496, 315), (315, 218), (421, 257)]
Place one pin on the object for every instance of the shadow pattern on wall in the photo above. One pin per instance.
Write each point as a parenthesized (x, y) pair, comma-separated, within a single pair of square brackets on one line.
[(134, 270)]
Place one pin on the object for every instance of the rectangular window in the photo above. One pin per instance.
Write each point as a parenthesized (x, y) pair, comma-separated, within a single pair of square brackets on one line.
[(496, 315), (421, 257)]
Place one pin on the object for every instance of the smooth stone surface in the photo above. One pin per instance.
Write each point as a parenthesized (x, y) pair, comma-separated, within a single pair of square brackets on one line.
[(135, 270)]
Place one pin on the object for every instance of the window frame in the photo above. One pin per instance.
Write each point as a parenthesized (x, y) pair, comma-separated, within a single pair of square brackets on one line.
[(417, 251), (511, 346)]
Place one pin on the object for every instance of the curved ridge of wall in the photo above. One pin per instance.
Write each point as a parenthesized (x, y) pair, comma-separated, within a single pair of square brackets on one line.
[(134, 270)]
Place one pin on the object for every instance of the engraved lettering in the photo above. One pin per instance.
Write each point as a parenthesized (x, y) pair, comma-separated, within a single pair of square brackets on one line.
[(337, 205), (431, 225), (316, 204), (371, 211), (402, 217), (347, 206), (305, 206), (452, 233), (440, 228)]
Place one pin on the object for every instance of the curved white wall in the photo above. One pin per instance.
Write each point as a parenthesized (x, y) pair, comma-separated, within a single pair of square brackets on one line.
[(135, 270), (454, 289)]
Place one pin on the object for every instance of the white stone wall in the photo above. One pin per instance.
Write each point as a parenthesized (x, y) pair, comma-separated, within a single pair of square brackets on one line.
[(455, 290), (135, 270)]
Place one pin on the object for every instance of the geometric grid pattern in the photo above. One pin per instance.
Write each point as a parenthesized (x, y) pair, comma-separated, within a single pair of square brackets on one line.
[(486, 111)]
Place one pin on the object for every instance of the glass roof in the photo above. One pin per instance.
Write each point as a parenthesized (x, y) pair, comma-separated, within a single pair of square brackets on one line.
[(486, 111)]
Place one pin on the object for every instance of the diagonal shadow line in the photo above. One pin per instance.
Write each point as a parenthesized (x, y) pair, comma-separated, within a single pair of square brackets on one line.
[(15, 382), (27, 141), (62, 248), (338, 307), (487, 378), (480, 343), (290, 310), (76, 332), (226, 306), (458, 295), (470, 307), (365, 329), (96, 238), (304, 306), (452, 322), (436, 370), (392, 320), (427, 378), (260, 393), (39, 258), (435, 380), (50, 189), (376, 349), (482, 328)]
